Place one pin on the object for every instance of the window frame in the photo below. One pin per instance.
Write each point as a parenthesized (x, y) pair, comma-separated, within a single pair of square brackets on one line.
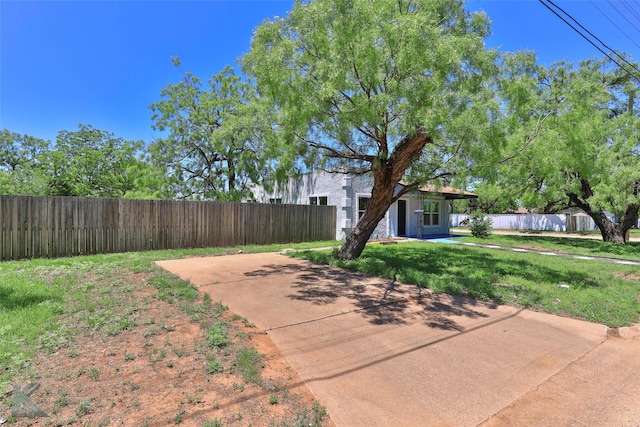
[(359, 211), (429, 213), (318, 200)]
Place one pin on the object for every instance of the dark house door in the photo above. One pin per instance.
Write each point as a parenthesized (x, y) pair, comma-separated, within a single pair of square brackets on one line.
[(402, 217)]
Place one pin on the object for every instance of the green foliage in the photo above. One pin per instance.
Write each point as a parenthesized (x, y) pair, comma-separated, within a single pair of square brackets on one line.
[(214, 365), (20, 160), (249, 362), (480, 224), (401, 89), (217, 335), (572, 134), (214, 148), (91, 162), (86, 162), (171, 287), (304, 419)]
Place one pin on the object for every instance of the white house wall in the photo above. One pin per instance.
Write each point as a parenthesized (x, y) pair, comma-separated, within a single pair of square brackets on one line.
[(339, 192), (414, 203), (343, 192)]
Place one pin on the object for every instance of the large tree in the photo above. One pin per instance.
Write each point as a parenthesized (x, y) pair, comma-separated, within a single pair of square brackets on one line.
[(20, 171), (214, 148), (586, 141), (395, 89), (92, 162)]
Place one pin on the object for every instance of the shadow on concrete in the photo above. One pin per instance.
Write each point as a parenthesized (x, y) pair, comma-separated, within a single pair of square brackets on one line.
[(381, 301)]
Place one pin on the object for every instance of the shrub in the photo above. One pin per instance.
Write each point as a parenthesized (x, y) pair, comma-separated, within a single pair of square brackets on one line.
[(480, 224)]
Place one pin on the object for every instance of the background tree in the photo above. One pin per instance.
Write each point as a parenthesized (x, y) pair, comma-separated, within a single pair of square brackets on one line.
[(214, 147), (92, 162), (587, 146), (20, 172), (395, 89)]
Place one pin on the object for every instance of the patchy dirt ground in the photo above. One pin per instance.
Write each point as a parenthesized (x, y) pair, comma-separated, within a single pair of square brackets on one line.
[(160, 369)]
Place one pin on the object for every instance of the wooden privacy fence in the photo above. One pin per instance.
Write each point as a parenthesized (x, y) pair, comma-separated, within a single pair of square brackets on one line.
[(48, 227)]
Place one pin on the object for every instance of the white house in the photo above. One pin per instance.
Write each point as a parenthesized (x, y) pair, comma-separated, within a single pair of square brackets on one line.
[(420, 213)]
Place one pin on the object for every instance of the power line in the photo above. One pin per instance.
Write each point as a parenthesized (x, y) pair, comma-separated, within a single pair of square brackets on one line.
[(589, 40), (634, 4), (614, 24), (631, 9)]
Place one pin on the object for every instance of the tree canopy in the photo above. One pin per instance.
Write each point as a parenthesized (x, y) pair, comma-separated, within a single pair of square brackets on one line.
[(20, 158), (574, 130), (397, 89), (213, 149)]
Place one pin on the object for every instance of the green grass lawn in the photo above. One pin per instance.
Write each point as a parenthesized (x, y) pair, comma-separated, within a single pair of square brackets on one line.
[(598, 292), (43, 302), (577, 246)]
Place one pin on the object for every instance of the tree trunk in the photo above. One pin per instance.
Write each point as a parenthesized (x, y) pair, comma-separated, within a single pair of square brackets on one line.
[(612, 233), (381, 199), (386, 175)]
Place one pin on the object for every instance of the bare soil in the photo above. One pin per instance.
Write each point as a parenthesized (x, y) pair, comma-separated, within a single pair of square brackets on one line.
[(155, 373)]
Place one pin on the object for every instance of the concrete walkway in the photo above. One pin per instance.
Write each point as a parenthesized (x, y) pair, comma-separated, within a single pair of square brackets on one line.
[(379, 353)]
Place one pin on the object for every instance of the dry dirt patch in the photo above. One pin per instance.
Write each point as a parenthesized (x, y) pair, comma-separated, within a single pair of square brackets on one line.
[(628, 276), (161, 371)]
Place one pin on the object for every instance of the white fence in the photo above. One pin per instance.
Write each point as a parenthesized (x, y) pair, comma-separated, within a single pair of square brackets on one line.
[(554, 222)]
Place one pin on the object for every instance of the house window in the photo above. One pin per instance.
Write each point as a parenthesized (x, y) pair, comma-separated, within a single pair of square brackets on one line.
[(318, 200), (431, 216), (275, 201), (362, 205)]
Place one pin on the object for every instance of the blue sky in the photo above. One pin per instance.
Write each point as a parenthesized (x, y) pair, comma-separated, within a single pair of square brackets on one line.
[(104, 62)]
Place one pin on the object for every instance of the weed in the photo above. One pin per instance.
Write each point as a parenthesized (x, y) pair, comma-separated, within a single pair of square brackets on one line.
[(171, 287), (273, 399), (217, 335), (155, 330), (304, 419), (219, 309), (214, 423), (181, 352), (214, 366), (179, 417), (84, 407), (60, 402), (194, 400), (249, 361), (206, 300), (129, 356), (243, 336), (94, 374), (168, 328)]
